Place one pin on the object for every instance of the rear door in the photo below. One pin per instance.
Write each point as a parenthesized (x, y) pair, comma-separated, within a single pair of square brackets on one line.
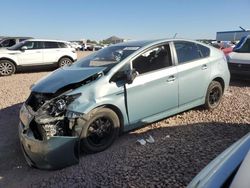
[(193, 71), (33, 55), (51, 52), (155, 89)]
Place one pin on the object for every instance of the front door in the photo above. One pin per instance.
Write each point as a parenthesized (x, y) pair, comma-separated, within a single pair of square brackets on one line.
[(33, 55), (155, 89)]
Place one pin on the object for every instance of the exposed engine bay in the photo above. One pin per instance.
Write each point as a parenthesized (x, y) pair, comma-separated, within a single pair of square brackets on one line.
[(51, 117)]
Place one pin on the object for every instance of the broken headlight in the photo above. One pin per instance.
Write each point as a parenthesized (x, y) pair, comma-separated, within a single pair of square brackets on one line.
[(52, 116), (58, 106)]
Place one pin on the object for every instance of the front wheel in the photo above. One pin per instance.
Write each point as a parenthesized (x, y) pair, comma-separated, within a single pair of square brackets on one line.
[(100, 131), (214, 95), (7, 68), (64, 61)]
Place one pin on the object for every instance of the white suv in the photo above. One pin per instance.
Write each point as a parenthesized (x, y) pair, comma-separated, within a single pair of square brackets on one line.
[(239, 59), (36, 52)]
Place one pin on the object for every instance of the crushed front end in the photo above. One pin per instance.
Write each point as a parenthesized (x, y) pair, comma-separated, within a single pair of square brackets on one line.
[(47, 135)]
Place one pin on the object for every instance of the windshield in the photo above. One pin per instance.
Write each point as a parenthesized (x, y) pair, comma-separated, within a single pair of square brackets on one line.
[(1, 41), (16, 46), (242, 41), (107, 57)]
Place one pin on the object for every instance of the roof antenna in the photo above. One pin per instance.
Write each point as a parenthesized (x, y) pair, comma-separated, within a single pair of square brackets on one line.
[(175, 35), (242, 28)]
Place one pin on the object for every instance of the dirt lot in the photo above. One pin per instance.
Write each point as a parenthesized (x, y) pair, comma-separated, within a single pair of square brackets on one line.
[(184, 144)]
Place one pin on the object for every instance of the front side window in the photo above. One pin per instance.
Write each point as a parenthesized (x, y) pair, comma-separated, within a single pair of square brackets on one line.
[(187, 51), (49, 45), (32, 45), (157, 58)]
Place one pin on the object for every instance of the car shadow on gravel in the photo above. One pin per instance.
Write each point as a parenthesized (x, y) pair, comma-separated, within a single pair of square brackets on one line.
[(33, 69), (239, 81), (13, 168), (177, 155)]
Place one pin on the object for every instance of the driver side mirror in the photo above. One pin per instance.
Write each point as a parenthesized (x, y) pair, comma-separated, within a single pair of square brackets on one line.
[(23, 48), (130, 76), (126, 76)]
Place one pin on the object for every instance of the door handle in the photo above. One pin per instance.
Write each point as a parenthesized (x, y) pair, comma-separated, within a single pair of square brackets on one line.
[(204, 67), (171, 78)]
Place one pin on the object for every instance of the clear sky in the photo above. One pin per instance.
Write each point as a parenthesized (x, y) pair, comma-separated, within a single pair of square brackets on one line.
[(134, 19)]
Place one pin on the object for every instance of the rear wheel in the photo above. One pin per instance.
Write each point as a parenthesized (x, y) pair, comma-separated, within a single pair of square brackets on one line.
[(100, 131), (7, 68), (64, 61), (214, 95)]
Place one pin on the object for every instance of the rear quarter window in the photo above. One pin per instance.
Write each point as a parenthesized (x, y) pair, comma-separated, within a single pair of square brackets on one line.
[(49, 45), (205, 51), (62, 45)]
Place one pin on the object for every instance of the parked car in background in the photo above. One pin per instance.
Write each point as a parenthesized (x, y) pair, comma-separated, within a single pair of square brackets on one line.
[(239, 59), (35, 52), (75, 45), (225, 47), (230, 169), (89, 47), (97, 47), (11, 41), (84, 47), (117, 89)]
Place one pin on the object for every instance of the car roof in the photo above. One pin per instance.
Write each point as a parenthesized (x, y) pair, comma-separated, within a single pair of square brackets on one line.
[(46, 40), (142, 43), (139, 43), (15, 37)]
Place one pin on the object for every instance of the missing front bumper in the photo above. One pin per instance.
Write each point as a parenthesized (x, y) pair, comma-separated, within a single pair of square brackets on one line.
[(56, 153)]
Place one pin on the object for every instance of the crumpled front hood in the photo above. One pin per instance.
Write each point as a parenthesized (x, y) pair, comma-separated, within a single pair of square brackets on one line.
[(63, 77)]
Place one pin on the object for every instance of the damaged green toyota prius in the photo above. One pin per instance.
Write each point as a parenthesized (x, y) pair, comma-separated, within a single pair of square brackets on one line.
[(86, 105)]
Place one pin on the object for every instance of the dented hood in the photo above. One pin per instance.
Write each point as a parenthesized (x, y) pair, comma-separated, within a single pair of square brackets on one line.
[(63, 77)]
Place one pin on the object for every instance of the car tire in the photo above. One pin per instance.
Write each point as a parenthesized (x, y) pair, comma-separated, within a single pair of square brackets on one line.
[(99, 131), (64, 61), (7, 68), (213, 96)]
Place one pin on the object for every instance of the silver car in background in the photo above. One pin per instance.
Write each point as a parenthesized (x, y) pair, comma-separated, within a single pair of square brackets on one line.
[(117, 89), (230, 169)]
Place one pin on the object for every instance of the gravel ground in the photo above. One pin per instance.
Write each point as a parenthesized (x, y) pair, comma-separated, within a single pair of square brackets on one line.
[(184, 144)]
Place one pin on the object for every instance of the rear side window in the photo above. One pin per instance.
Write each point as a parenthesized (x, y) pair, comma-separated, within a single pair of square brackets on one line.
[(49, 45), (205, 51), (187, 51), (62, 45)]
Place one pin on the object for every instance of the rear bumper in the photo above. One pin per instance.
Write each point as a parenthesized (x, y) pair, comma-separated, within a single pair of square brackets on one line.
[(55, 153), (239, 69)]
